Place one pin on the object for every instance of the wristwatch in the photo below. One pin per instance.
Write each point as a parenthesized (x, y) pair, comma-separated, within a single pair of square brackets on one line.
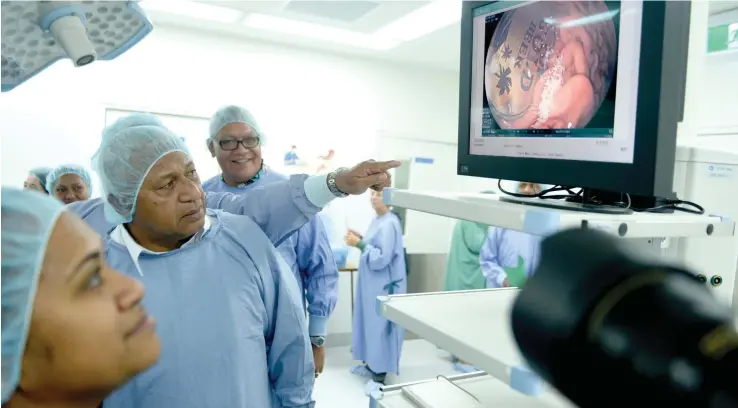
[(331, 180), (317, 341)]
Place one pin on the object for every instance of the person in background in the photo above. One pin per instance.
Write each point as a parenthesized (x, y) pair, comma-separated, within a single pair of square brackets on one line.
[(36, 179), (73, 329), (382, 271), (291, 158), (526, 188), (69, 183), (462, 268), (508, 258), (235, 142), (463, 271)]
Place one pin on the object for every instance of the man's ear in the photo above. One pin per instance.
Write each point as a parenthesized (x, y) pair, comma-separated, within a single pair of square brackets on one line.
[(211, 147)]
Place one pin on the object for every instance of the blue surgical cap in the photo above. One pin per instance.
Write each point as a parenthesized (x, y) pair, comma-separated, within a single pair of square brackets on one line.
[(129, 149), (28, 218), (231, 114), (68, 169), (41, 173), (136, 119)]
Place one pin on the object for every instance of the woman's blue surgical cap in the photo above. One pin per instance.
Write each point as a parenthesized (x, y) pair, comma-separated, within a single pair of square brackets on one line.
[(28, 217), (41, 173), (129, 149), (68, 169), (231, 114)]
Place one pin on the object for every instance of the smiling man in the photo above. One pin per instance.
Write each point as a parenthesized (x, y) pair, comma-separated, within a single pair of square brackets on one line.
[(235, 141)]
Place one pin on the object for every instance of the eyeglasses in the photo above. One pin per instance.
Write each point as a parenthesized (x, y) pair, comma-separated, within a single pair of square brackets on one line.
[(248, 143)]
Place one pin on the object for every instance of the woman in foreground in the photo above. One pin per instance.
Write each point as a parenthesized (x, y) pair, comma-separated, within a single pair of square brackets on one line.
[(73, 329)]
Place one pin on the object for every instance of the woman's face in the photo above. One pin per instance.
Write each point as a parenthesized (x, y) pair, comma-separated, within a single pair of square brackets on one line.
[(70, 188), (89, 332), (377, 202), (33, 183)]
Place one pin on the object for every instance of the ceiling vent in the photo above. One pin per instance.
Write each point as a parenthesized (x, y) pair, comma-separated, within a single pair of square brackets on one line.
[(343, 11)]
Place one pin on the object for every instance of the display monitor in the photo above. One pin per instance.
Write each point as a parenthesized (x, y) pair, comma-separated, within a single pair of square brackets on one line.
[(578, 93)]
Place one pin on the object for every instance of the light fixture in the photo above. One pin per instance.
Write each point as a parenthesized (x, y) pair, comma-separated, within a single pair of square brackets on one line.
[(319, 32), (193, 9), (423, 21)]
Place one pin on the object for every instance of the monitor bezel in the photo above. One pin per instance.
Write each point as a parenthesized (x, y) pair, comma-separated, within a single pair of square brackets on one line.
[(660, 106)]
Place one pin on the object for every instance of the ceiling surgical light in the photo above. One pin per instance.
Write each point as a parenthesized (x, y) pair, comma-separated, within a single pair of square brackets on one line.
[(36, 34)]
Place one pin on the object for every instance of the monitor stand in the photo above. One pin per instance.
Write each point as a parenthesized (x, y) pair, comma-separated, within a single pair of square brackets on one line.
[(566, 205)]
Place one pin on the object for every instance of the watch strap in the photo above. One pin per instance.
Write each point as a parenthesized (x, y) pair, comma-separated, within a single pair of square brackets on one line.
[(317, 341), (331, 181)]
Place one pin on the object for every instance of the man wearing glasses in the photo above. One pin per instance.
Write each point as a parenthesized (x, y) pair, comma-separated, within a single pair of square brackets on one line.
[(235, 142)]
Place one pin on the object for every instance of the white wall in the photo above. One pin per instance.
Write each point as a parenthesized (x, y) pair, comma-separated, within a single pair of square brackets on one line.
[(314, 99), (719, 94), (295, 94), (719, 101)]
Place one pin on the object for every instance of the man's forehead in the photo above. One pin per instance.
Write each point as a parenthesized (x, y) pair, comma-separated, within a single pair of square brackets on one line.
[(171, 162), (236, 131)]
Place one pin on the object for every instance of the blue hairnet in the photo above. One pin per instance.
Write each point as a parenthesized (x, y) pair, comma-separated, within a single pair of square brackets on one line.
[(40, 173), (136, 119), (28, 218), (129, 149), (231, 114), (68, 169)]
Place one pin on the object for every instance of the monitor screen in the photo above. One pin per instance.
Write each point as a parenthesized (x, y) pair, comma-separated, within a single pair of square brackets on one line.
[(555, 80)]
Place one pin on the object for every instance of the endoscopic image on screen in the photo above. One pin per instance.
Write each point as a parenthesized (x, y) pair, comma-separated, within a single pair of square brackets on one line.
[(550, 70)]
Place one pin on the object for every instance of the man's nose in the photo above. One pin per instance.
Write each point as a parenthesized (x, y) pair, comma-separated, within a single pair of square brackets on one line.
[(191, 191), (241, 148)]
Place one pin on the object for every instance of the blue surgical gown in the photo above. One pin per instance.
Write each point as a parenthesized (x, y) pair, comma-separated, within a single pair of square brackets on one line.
[(376, 340), (308, 254), (279, 210), (230, 320), (335, 237), (92, 212), (512, 250)]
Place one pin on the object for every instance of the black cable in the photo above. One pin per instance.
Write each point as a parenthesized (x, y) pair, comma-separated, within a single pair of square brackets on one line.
[(674, 205), (542, 194), (666, 206)]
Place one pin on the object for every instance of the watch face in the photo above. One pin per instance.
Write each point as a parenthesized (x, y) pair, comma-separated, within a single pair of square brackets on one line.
[(317, 341)]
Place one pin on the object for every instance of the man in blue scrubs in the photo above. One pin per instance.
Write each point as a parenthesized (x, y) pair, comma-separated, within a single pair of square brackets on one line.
[(235, 141), (508, 258), (228, 309)]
